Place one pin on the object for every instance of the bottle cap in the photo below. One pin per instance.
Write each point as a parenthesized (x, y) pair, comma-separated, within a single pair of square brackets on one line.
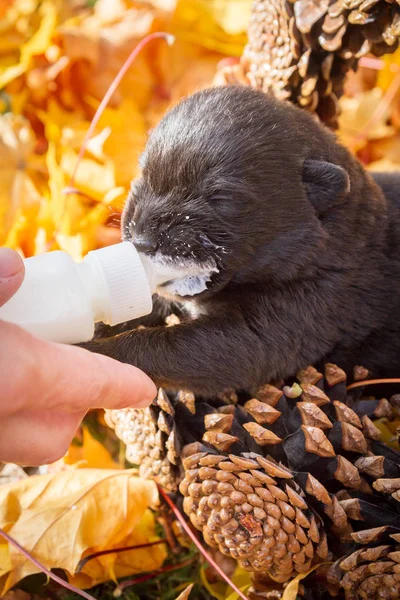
[(126, 282)]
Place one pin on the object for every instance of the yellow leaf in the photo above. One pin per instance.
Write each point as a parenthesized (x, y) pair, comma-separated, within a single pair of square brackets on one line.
[(215, 24), (292, 588), (391, 67), (91, 178), (37, 44), (69, 219), (128, 134), (186, 593), (384, 165), (388, 431), (221, 590), (115, 566), (233, 17), (10, 73), (19, 198), (217, 590), (235, 596), (40, 41), (91, 453), (355, 117), (5, 562), (61, 518), (104, 40)]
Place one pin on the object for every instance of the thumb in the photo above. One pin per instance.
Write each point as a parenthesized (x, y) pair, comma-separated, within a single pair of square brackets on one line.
[(11, 273)]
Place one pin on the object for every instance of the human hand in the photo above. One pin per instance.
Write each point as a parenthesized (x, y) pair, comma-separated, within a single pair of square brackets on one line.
[(47, 388)]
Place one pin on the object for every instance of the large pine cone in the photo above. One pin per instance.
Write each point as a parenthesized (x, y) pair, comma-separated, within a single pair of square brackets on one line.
[(301, 49), (252, 509), (371, 570), (280, 481)]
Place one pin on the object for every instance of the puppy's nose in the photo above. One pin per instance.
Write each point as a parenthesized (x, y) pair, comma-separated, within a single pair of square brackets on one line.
[(145, 244)]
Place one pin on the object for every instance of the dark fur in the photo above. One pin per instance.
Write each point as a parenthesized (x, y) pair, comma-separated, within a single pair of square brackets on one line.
[(307, 244)]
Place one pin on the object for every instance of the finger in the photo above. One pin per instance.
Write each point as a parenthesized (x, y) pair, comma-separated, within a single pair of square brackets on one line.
[(102, 382), (34, 438), (66, 378), (11, 273)]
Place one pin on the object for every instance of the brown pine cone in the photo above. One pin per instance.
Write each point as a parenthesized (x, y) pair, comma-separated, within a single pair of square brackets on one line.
[(371, 570), (301, 49), (152, 439), (251, 509), (243, 462)]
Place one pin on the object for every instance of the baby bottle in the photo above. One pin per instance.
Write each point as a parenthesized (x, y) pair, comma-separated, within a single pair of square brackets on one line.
[(61, 300)]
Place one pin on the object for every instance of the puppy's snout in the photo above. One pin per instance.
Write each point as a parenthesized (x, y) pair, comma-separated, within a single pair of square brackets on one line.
[(145, 244)]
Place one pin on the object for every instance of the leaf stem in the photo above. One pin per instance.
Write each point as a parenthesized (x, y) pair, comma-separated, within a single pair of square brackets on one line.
[(86, 559), (42, 568), (114, 85), (142, 578)]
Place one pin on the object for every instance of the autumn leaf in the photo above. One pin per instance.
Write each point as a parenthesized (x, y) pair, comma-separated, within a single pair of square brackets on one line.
[(391, 65), (37, 44), (292, 588), (355, 119), (19, 197), (215, 24), (90, 454), (186, 593), (104, 40), (221, 591), (61, 518)]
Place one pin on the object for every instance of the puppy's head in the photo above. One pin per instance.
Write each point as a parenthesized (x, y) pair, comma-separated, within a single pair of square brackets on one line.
[(225, 190)]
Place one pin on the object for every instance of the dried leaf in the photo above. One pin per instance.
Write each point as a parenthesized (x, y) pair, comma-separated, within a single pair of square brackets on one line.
[(386, 75), (355, 118), (214, 24), (388, 431), (61, 518), (186, 593), (235, 596), (221, 591), (90, 454), (292, 588), (104, 40), (37, 44), (19, 197)]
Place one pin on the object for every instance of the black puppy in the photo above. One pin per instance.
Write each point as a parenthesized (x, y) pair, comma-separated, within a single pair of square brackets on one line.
[(293, 248)]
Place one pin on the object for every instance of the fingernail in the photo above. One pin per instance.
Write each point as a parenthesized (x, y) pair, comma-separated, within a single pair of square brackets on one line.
[(10, 263)]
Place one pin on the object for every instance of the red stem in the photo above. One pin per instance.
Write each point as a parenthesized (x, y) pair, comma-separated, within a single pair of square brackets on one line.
[(357, 384), (114, 85), (203, 551), (49, 574), (370, 62), (142, 578), (86, 559)]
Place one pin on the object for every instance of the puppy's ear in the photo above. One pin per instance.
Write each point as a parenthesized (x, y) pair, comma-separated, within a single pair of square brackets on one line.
[(326, 184)]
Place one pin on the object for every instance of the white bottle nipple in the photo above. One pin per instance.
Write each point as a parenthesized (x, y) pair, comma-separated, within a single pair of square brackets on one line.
[(123, 289)]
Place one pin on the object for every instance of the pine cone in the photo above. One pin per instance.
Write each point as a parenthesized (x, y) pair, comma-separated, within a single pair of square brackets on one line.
[(152, 439), (371, 570), (301, 49), (251, 509), (285, 477)]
